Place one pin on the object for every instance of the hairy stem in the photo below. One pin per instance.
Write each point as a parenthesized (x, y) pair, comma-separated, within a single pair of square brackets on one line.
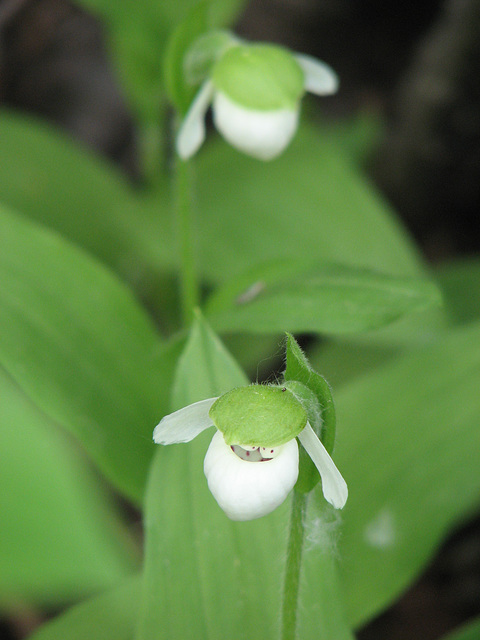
[(293, 566)]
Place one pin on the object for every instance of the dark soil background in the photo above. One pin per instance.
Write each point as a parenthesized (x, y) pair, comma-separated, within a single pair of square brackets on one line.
[(417, 63)]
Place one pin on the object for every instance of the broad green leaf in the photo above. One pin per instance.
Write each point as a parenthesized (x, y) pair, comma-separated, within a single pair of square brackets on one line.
[(358, 136), (310, 202), (301, 297), (62, 185), (77, 194), (471, 631), (206, 576), (80, 346), (48, 177), (460, 282), (205, 368), (109, 616), (406, 432), (61, 538), (343, 361)]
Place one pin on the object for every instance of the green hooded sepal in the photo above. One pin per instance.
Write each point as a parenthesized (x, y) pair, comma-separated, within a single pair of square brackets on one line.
[(258, 415), (261, 77)]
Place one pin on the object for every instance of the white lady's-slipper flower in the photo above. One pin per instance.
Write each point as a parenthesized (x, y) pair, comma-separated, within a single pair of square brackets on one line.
[(252, 462), (255, 92)]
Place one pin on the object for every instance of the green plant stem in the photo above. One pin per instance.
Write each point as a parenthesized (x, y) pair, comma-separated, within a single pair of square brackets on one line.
[(189, 290), (293, 566)]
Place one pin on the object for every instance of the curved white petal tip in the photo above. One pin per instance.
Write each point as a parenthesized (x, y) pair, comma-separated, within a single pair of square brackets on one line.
[(334, 486), (320, 79), (192, 131), (185, 424), (260, 134), (247, 490)]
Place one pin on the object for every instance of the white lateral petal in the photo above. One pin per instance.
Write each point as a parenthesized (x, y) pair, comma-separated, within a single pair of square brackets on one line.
[(185, 424), (320, 79), (192, 131), (333, 485), (248, 490)]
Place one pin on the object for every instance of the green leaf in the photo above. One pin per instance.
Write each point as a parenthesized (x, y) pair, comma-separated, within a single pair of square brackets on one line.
[(62, 539), (48, 177), (191, 53), (460, 283), (405, 440), (205, 368), (109, 616), (80, 346), (358, 136), (301, 297), (180, 91), (471, 631), (206, 576), (77, 194), (330, 214), (62, 185), (344, 361), (204, 51), (258, 415)]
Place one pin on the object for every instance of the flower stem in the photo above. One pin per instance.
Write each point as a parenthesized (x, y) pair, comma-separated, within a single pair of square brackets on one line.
[(293, 565), (189, 289)]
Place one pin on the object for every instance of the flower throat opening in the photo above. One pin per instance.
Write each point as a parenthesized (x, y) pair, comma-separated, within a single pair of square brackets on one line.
[(255, 454)]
